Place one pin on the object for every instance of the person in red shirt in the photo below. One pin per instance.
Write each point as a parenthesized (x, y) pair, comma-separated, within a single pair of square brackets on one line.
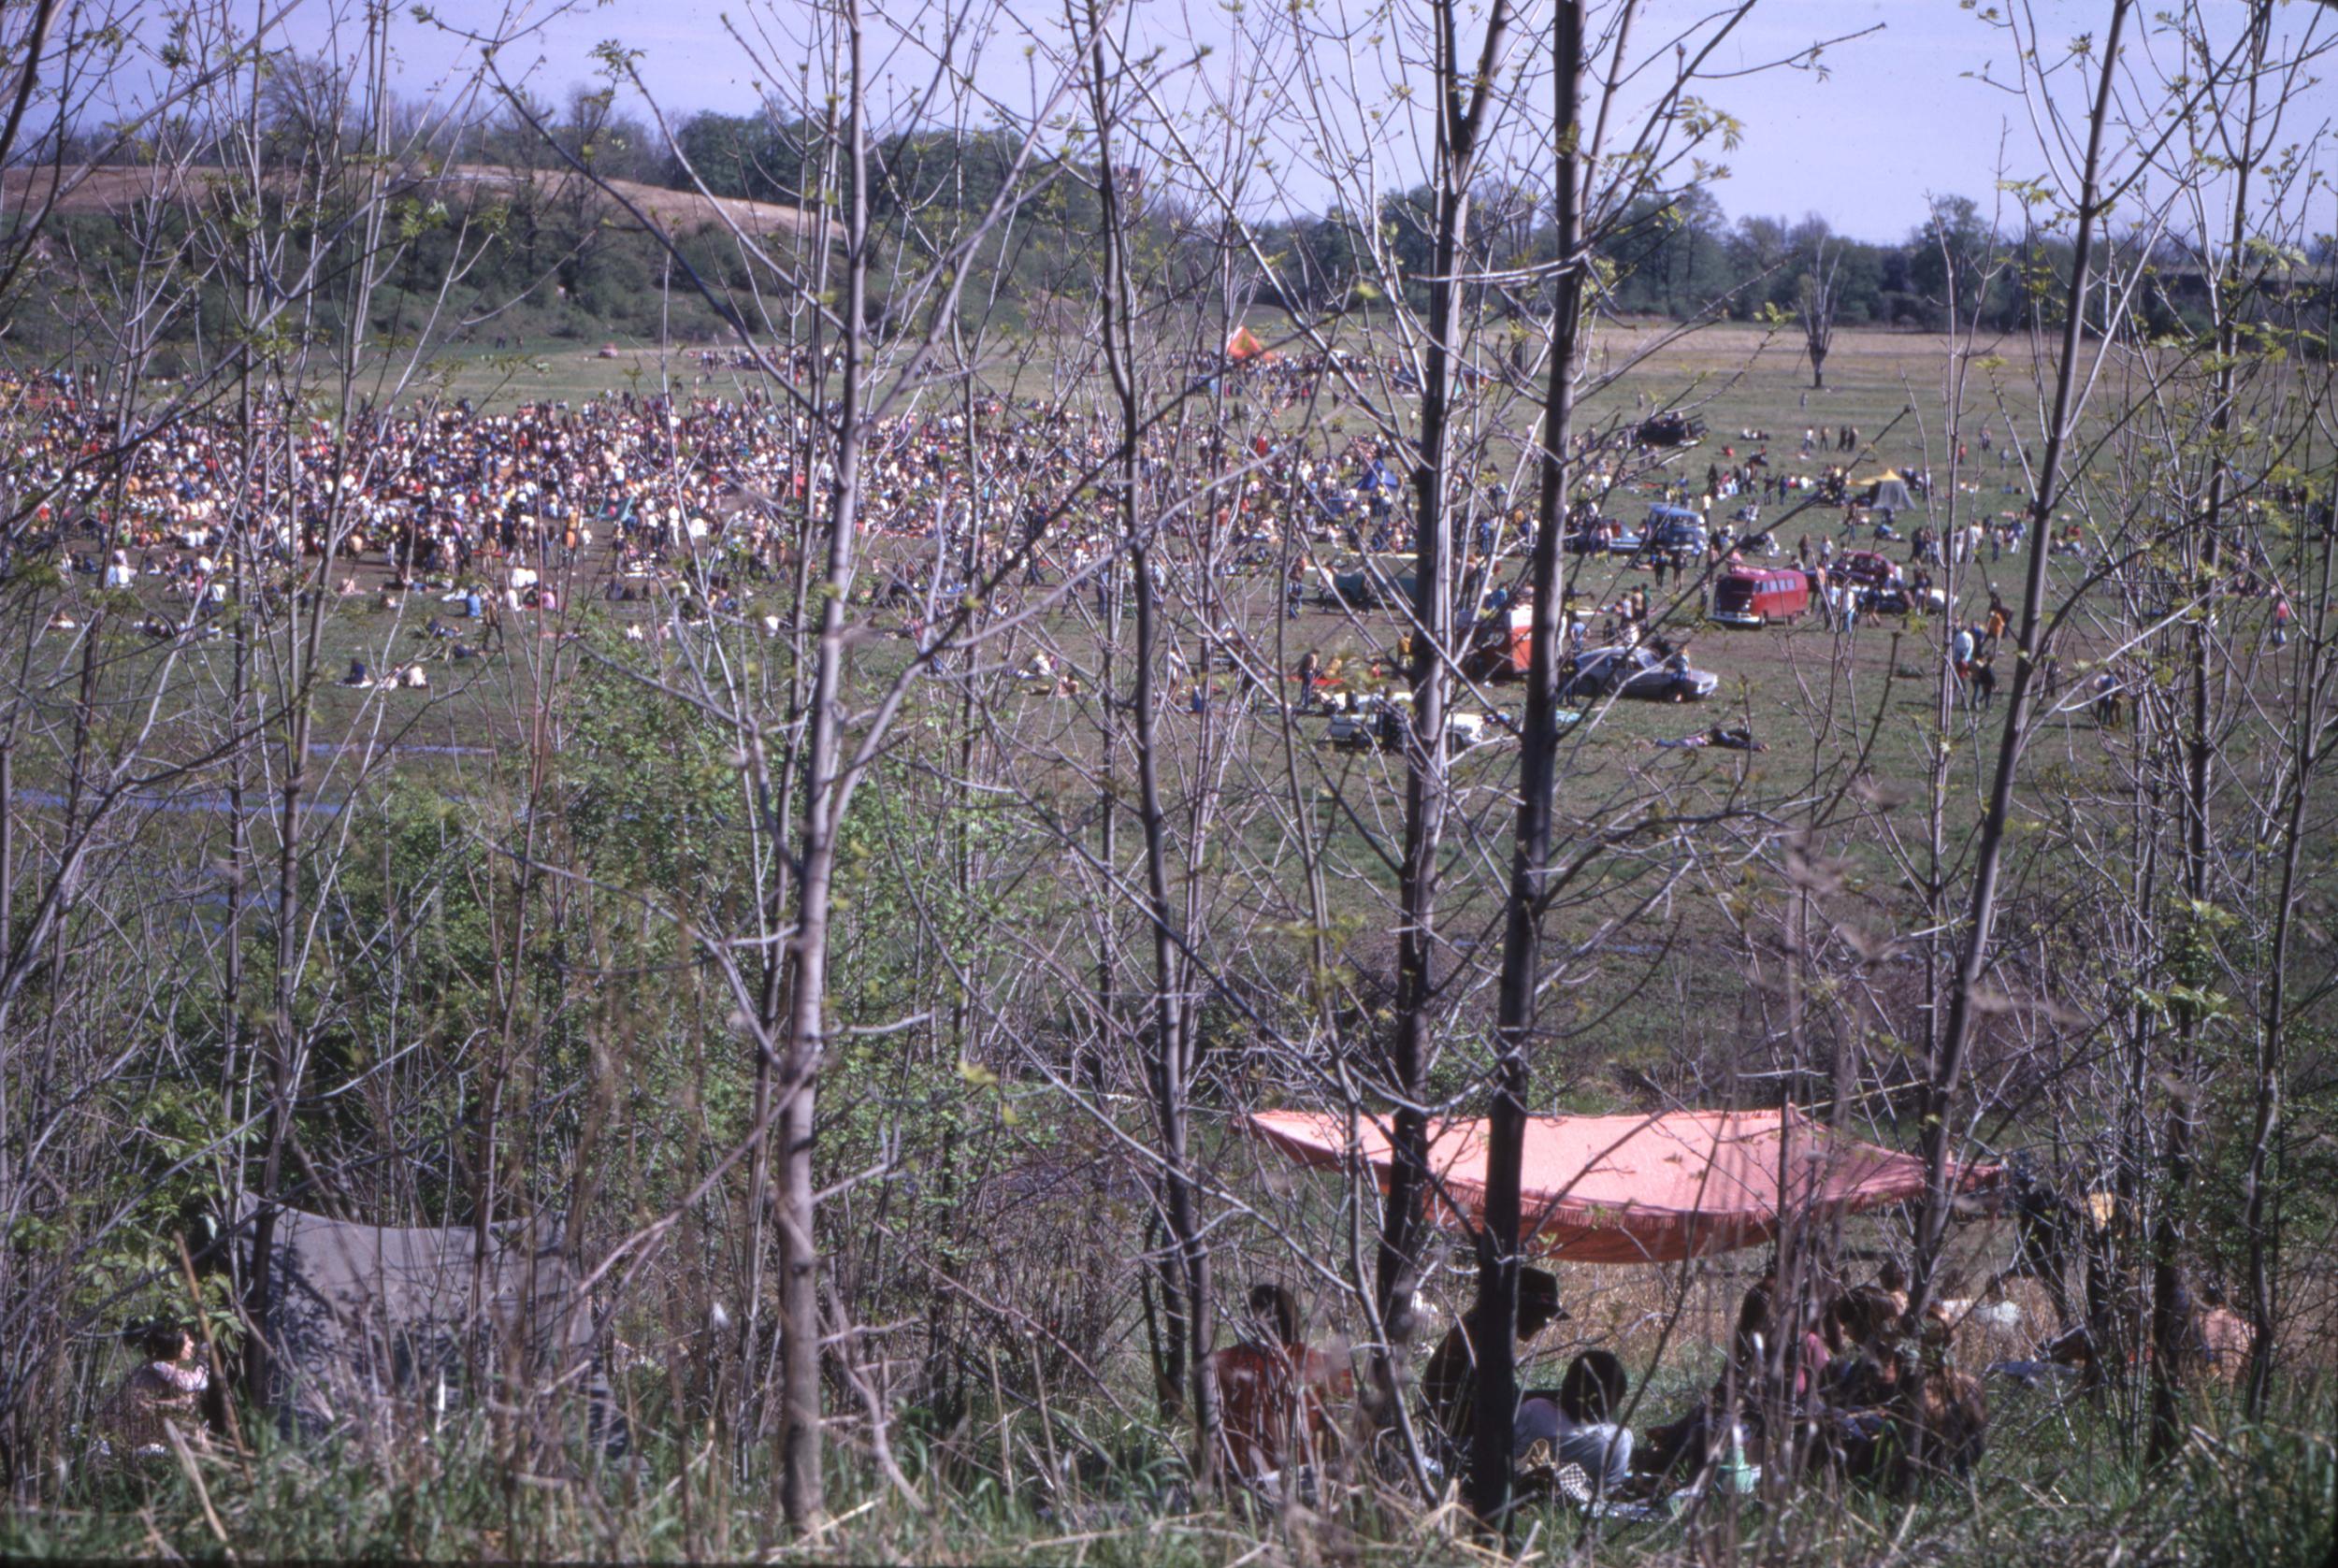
[(1272, 1392)]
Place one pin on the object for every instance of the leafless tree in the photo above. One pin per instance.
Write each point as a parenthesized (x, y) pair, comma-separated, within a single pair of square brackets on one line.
[(1818, 299)]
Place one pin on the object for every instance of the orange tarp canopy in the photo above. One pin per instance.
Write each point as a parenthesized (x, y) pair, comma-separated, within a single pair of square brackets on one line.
[(1243, 346), (1634, 1188)]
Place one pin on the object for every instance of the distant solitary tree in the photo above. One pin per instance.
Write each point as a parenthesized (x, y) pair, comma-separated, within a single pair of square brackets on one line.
[(1819, 300)]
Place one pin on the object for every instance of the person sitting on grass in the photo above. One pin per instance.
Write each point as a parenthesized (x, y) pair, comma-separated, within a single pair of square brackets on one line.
[(1734, 1409), (1900, 1411), (1891, 1277), (1449, 1385), (1272, 1393), (1861, 1327), (1576, 1424), (163, 1394)]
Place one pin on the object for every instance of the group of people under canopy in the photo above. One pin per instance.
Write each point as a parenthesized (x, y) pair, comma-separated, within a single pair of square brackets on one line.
[(1865, 1396)]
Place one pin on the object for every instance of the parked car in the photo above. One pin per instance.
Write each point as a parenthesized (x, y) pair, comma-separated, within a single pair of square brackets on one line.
[(1670, 430), (1504, 646), (1374, 581), (1463, 731), (1638, 673), (1673, 529), (1365, 729), (1893, 599), (1604, 536), (1865, 567), (1757, 595)]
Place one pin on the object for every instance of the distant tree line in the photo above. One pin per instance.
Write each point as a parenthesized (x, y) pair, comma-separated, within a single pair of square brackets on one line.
[(1680, 257), (558, 266)]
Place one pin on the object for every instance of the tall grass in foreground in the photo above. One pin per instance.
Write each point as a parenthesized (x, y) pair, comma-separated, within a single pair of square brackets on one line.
[(2058, 1486)]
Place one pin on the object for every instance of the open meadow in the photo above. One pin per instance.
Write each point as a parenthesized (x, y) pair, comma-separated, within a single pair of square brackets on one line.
[(1830, 706)]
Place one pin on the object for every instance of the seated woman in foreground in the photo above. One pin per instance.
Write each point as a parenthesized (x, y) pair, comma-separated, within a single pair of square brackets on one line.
[(1272, 1393), (1576, 1424), (1896, 1410)]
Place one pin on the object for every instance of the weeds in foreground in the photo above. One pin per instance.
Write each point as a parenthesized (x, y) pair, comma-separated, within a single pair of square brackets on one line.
[(2057, 1486)]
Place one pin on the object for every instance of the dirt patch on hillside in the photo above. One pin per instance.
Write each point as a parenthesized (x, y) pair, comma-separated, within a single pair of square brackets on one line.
[(115, 188)]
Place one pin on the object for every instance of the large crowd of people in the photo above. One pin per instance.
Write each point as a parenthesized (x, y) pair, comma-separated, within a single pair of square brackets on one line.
[(459, 494), (694, 500), (456, 492)]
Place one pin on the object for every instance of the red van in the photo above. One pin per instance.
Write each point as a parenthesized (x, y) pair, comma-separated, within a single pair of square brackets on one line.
[(1756, 595), (1505, 649)]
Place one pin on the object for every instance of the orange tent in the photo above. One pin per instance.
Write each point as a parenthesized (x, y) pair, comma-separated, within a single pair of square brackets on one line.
[(1633, 1189), (1243, 346)]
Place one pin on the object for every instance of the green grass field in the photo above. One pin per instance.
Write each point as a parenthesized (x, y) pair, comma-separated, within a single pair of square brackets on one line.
[(1826, 705)]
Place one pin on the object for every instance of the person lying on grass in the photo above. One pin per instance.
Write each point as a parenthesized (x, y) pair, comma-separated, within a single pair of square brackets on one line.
[(1726, 739)]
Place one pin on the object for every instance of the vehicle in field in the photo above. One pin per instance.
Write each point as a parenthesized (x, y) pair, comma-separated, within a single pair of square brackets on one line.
[(1673, 529), (1897, 598), (1758, 596), (1370, 726), (1372, 581), (1867, 569), (1603, 535), (1668, 430), (1638, 673), (1502, 648)]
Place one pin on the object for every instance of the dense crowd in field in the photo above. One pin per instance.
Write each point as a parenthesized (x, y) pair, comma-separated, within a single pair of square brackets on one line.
[(687, 499)]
